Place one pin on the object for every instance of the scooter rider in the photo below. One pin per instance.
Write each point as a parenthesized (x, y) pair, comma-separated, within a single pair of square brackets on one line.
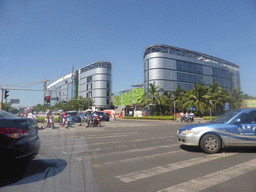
[(191, 115), (64, 117), (89, 118), (47, 116)]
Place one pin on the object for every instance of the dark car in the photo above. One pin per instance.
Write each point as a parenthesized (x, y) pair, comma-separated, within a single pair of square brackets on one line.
[(101, 115), (19, 140), (83, 116), (106, 117), (75, 116)]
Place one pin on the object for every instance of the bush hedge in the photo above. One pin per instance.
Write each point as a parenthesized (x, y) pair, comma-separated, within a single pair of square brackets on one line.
[(42, 119), (152, 117), (209, 118)]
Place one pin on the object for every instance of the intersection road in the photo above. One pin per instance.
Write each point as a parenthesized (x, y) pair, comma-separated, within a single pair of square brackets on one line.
[(130, 155)]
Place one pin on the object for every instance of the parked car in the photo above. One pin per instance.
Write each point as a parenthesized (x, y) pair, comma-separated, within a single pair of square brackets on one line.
[(234, 128), (83, 116), (101, 115), (19, 140), (75, 116), (106, 117)]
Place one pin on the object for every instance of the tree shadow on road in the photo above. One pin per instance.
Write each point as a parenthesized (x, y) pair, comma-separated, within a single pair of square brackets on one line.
[(34, 171)]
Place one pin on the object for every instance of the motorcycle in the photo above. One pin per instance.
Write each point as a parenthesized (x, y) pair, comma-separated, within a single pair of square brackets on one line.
[(69, 121), (96, 121), (51, 122), (189, 119)]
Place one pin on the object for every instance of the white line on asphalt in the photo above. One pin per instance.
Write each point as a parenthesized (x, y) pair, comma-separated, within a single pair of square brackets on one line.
[(210, 180), (131, 160), (46, 135), (170, 167), (130, 141), (63, 139), (134, 150)]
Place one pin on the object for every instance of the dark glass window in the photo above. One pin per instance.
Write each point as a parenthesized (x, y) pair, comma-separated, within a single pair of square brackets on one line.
[(198, 69), (107, 93), (181, 65), (89, 86), (89, 79), (89, 95)]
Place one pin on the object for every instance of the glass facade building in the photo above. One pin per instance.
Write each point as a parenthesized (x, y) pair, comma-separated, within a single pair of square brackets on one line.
[(92, 81), (169, 67)]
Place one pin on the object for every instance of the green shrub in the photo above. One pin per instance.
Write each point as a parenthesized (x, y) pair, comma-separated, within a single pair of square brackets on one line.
[(152, 117), (42, 119), (209, 118)]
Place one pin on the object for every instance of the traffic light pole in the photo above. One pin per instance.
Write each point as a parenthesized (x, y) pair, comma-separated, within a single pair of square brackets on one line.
[(2, 94)]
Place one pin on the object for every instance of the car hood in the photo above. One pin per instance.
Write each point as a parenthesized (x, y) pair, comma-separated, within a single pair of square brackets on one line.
[(206, 125)]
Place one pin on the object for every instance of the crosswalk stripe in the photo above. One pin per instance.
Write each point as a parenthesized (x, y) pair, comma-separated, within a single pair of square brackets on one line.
[(210, 180), (130, 141), (131, 160), (170, 167), (135, 150)]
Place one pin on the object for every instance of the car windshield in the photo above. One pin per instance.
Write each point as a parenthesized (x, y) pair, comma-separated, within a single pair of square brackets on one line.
[(226, 116), (72, 113), (4, 114), (100, 113)]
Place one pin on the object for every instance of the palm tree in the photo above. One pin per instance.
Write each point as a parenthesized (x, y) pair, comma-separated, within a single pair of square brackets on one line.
[(152, 97), (236, 99), (194, 98), (178, 97), (217, 97)]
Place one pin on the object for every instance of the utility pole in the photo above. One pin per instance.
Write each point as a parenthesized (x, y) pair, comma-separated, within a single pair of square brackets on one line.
[(174, 108), (72, 77), (2, 94), (45, 81)]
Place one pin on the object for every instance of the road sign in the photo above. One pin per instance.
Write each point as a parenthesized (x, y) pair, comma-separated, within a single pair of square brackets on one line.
[(191, 109), (14, 101), (227, 106)]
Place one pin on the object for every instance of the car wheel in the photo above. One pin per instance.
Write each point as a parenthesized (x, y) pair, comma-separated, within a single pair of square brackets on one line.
[(210, 143)]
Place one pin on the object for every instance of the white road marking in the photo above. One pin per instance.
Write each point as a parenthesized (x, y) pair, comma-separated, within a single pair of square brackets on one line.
[(134, 176), (132, 160), (210, 180), (130, 141), (133, 150)]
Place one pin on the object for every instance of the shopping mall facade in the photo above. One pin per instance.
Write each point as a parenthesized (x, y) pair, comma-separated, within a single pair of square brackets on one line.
[(92, 81), (169, 67)]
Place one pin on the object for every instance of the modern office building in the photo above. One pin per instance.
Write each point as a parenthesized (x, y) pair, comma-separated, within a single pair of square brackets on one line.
[(92, 81), (169, 67)]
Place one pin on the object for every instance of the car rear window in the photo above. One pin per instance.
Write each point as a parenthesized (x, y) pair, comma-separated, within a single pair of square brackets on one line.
[(4, 114)]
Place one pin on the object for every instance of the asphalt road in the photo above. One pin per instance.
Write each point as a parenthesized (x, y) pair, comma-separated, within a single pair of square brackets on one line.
[(130, 155)]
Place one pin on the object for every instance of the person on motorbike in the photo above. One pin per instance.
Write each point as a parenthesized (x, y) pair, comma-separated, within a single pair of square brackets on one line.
[(191, 115), (181, 116), (47, 116), (96, 119), (32, 115), (64, 117), (60, 118), (89, 119)]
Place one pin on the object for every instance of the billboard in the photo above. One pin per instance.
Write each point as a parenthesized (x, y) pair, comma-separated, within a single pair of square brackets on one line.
[(249, 103)]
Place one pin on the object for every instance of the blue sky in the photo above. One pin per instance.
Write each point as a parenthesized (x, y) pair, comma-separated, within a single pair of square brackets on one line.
[(44, 38)]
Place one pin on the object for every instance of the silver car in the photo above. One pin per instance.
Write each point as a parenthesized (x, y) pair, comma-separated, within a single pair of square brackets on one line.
[(234, 128)]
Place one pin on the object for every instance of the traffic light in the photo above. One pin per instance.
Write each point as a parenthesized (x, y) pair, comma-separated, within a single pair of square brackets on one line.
[(6, 94), (47, 99)]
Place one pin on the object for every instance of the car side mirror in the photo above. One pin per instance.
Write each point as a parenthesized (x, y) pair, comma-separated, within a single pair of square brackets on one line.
[(236, 121)]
